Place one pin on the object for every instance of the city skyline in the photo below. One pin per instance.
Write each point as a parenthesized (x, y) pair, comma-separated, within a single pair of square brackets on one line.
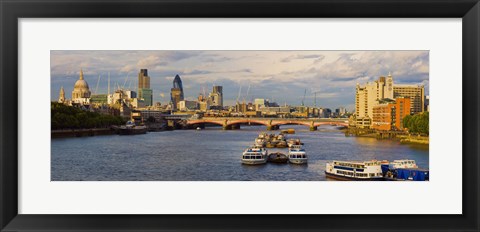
[(281, 76)]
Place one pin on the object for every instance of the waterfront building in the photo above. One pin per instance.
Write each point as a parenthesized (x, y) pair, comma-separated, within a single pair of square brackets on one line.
[(427, 103), (415, 92), (140, 116), (389, 114), (144, 90), (368, 95), (275, 111), (61, 96), (81, 91)]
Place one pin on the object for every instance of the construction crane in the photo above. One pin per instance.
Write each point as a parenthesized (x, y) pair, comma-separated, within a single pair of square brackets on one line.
[(315, 101), (125, 82), (239, 92), (248, 91), (98, 81), (303, 100)]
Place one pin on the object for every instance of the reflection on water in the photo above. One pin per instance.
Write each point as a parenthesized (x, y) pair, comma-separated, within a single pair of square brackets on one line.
[(212, 155)]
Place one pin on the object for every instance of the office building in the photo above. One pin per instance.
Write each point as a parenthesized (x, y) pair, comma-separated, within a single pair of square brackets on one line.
[(415, 92), (176, 93), (389, 114), (145, 93), (368, 95)]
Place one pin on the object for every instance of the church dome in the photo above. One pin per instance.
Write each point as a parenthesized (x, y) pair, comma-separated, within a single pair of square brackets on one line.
[(81, 84), (80, 89)]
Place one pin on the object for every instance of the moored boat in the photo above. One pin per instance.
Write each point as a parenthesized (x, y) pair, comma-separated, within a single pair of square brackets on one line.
[(354, 170), (254, 155), (281, 144), (131, 129), (277, 157), (297, 155), (260, 142), (404, 170)]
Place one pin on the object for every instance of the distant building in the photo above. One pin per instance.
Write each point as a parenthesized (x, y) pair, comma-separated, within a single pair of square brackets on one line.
[(81, 92), (203, 106), (144, 90), (61, 96), (274, 111), (216, 97), (415, 92), (99, 99), (187, 105), (176, 93), (259, 102)]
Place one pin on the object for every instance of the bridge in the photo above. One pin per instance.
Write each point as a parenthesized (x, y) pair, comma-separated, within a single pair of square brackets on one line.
[(229, 123)]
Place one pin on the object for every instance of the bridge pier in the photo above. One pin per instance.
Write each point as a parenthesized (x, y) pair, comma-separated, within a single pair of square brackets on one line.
[(274, 127), (231, 127), (313, 128)]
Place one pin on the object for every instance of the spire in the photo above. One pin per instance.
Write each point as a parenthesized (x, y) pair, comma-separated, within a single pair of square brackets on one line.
[(62, 91), (81, 74), (389, 74)]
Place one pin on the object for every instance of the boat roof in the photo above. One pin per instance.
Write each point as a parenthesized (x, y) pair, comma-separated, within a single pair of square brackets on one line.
[(356, 161)]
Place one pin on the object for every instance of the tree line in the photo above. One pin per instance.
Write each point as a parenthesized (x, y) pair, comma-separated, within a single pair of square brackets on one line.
[(417, 124), (69, 117)]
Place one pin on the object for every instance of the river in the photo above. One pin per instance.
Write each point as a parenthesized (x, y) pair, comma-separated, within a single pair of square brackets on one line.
[(212, 154)]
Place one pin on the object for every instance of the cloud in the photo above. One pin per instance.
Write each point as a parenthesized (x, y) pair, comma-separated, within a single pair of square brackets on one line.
[(300, 57), (282, 75)]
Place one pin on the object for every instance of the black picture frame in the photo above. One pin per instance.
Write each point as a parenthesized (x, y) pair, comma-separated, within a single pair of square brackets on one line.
[(11, 11)]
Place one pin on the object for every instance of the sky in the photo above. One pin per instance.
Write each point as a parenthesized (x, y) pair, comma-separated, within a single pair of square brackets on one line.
[(280, 76)]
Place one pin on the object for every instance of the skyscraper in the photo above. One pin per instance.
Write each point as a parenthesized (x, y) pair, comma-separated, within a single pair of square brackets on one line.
[(144, 91), (176, 92), (216, 97)]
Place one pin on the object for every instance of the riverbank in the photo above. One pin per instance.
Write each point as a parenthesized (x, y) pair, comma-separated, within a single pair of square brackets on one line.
[(81, 132), (401, 136), (414, 139)]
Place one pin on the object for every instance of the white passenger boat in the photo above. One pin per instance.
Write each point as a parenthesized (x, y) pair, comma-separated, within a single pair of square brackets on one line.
[(354, 170), (297, 155), (404, 163), (255, 155)]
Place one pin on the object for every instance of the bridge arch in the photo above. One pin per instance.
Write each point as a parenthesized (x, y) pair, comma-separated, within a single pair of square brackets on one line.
[(247, 121)]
